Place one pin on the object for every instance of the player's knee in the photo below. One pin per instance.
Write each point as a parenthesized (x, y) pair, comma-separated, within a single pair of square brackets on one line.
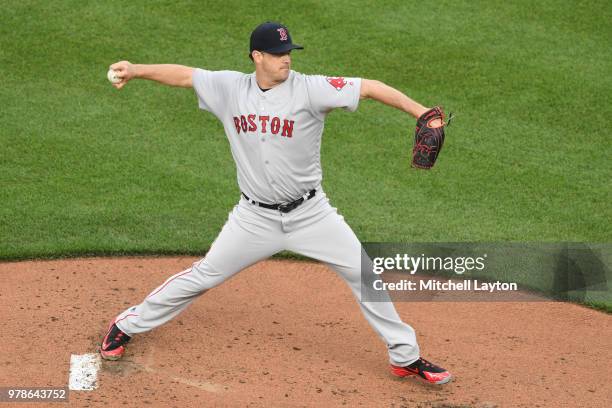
[(350, 273), (207, 276)]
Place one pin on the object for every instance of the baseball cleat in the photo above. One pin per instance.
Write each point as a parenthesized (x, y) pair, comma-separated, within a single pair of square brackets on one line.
[(113, 344), (424, 369)]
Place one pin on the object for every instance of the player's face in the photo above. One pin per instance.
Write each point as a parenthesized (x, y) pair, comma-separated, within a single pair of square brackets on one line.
[(276, 66)]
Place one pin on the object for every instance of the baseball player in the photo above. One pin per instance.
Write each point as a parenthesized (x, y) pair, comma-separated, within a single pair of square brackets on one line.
[(273, 119)]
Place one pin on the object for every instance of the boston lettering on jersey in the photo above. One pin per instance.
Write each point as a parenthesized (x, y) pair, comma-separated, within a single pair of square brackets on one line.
[(250, 123)]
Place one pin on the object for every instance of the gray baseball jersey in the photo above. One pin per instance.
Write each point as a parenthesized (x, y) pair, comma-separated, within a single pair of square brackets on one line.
[(275, 136)]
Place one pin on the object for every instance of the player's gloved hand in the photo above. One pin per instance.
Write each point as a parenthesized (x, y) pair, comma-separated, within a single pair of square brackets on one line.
[(124, 70), (429, 137)]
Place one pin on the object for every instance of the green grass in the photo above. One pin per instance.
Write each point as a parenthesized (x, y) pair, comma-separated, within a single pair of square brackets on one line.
[(86, 169)]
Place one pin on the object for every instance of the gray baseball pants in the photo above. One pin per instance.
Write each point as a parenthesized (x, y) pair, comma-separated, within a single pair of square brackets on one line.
[(252, 234)]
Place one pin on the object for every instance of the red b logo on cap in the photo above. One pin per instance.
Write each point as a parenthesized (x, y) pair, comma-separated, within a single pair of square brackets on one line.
[(283, 33)]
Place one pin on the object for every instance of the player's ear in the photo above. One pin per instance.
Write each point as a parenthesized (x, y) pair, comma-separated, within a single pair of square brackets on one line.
[(256, 56)]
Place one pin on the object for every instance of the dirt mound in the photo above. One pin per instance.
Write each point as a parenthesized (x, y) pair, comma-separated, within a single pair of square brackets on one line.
[(290, 334)]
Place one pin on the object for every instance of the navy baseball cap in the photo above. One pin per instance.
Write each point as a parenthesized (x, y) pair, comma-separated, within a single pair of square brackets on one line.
[(273, 38)]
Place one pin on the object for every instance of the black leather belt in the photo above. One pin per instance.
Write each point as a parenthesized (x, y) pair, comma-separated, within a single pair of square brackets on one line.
[(287, 207)]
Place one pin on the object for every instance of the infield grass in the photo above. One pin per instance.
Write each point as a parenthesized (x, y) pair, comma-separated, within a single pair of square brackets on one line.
[(86, 169)]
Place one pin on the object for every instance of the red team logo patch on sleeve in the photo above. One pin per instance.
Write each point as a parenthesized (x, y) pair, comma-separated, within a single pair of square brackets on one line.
[(337, 82)]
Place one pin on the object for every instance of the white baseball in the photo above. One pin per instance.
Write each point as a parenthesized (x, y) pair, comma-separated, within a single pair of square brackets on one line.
[(112, 77)]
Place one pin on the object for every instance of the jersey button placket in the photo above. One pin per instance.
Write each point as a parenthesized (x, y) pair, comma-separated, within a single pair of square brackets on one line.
[(262, 110), (262, 137)]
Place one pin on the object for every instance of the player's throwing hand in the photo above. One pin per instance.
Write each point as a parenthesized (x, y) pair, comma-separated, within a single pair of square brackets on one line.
[(124, 71)]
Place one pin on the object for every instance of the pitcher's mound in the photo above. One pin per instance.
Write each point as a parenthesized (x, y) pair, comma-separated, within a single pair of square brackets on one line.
[(290, 334)]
